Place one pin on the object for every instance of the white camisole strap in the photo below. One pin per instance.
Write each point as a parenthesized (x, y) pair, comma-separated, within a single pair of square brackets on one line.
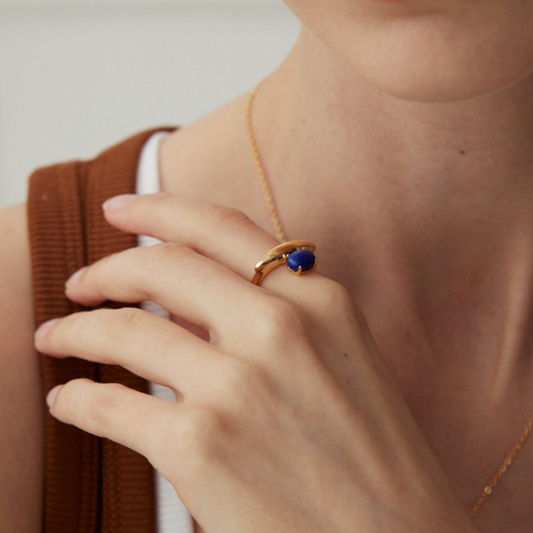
[(172, 516)]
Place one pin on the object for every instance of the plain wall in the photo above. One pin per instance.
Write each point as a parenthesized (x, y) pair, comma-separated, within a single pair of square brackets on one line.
[(77, 75)]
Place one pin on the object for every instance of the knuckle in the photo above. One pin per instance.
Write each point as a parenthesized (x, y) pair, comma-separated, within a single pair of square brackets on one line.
[(241, 379), (146, 204), (96, 407), (72, 331), (336, 306), (278, 320), (155, 256), (123, 321), (218, 217), (334, 297), (340, 303), (76, 401), (200, 432), (99, 405), (163, 197)]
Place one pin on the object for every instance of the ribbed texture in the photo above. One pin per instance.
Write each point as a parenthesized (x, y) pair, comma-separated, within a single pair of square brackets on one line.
[(92, 485)]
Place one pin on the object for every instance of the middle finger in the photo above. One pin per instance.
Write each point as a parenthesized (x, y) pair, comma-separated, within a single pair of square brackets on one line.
[(182, 281)]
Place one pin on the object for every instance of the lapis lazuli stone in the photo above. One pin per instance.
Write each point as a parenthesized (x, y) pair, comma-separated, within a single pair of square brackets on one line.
[(304, 258)]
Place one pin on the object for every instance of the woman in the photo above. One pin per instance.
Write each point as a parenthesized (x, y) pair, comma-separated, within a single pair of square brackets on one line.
[(397, 137)]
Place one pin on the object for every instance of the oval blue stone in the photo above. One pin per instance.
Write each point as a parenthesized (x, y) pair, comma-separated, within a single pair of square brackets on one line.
[(301, 258)]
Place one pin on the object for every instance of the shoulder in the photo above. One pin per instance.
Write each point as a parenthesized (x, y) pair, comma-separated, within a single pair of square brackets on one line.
[(16, 306), (21, 416), (15, 277), (210, 160)]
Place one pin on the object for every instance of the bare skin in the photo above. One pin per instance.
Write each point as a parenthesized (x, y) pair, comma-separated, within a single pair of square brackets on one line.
[(437, 246), (21, 416), (443, 275)]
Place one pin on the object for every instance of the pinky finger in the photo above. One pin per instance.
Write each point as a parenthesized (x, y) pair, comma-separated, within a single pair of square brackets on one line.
[(113, 411)]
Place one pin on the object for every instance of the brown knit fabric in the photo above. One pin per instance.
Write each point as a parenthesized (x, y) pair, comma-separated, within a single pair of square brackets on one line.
[(92, 485)]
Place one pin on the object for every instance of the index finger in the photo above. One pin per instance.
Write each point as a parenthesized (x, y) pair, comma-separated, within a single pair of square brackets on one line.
[(221, 233)]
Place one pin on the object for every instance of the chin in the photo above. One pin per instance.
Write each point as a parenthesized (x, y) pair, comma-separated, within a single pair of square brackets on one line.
[(448, 64), (426, 83), (445, 55)]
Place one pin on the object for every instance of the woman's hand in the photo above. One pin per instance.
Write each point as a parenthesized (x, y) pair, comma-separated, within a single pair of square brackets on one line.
[(286, 420)]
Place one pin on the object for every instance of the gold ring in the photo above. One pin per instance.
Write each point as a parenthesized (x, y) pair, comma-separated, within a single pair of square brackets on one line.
[(297, 255)]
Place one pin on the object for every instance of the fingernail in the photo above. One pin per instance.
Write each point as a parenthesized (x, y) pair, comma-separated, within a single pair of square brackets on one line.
[(52, 395), (117, 202), (42, 330), (76, 276)]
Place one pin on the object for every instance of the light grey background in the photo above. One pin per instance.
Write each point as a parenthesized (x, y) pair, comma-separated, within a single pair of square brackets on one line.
[(79, 75)]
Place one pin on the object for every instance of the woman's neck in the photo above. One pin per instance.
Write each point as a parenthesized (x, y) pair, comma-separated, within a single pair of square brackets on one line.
[(462, 159), (434, 201)]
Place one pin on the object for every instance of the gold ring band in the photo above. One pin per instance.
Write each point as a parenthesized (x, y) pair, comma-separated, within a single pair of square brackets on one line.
[(302, 263)]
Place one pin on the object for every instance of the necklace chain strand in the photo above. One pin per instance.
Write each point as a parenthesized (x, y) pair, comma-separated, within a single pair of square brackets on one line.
[(276, 221), (267, 193), (487, 491)]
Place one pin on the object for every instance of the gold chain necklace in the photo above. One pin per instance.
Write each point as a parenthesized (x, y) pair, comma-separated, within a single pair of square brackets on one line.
[(267, 193), (276, 221)]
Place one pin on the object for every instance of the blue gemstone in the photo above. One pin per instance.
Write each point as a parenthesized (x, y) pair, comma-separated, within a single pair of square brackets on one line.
[(301, 258)]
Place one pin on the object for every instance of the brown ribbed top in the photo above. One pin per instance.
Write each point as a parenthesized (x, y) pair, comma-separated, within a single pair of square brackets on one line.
[(92, 485)]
